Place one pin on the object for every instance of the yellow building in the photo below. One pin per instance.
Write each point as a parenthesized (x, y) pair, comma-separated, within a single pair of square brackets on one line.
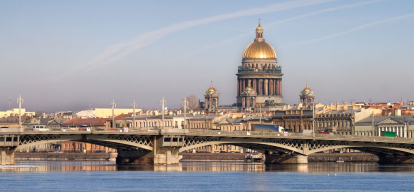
[(105, 112), (15, 112)]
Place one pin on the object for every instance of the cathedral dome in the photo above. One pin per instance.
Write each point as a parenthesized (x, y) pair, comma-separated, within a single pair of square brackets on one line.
[(259, 49)]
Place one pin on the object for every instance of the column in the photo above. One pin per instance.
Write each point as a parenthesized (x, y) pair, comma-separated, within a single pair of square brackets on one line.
[(244, 84), (274, 86), (259, 87), (266, 86), (280, 87), (254, 101), (277, 87), (205, 103), (254, 85), (271, 87), (238, 87), (243, 102), (247, 101), (249, 82)]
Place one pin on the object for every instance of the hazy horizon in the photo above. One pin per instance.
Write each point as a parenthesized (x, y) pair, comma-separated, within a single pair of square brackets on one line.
[(73, 55)]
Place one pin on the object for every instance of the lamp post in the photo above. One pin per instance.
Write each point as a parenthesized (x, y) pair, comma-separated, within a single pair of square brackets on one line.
[(185, 103), (313, 117), (372, 130), (133, 105), (113, 105), (260, 114), (163, 103), (20, 101)]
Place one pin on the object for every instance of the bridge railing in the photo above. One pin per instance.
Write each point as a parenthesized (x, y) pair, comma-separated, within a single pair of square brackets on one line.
[(293, 135), (202, 132), (88, 130)]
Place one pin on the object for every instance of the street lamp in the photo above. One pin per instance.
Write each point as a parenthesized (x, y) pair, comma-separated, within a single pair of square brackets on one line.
[(113, 105), (185, 103), (133, 105), (163, 103), (313, 117), (20, 101)]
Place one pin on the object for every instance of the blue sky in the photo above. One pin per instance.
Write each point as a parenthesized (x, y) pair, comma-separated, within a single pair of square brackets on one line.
[(69, 55)]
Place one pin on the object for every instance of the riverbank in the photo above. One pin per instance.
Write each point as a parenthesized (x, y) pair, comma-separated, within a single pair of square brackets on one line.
[(193, 157), (64, 156)]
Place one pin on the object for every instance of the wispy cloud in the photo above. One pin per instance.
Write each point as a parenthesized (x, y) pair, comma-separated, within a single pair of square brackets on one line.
[(120, 50), (277, 23), (351, 30)]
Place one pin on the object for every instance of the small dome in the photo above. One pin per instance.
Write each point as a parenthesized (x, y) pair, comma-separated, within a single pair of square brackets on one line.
[(211, 89), (249, 91), (259, 27), (248, 88), (307, 89)]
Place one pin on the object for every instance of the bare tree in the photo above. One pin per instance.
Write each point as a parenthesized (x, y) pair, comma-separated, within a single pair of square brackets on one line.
[(39, 113), (193, 103)]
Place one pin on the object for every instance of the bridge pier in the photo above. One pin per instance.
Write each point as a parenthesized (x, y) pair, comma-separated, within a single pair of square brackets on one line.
[(286, 159), (165, 150), (7, 155)]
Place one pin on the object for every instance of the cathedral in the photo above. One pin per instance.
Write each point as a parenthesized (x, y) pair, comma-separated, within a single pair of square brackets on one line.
[(259, 78)]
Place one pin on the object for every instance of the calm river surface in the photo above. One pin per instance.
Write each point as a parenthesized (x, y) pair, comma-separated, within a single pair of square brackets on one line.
[(106, 176)]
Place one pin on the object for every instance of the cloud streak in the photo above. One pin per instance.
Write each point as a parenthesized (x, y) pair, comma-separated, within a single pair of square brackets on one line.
[(280, 22), (351, 30), (120, 50)]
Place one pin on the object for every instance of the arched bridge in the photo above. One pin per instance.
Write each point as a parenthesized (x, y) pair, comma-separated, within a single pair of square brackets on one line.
[(162, 146)]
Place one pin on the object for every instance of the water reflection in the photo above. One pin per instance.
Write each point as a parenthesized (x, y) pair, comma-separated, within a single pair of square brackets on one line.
[(47, 166)]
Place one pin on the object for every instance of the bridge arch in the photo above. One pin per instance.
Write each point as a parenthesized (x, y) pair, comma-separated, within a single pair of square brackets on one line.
[(299, 146), (251, 143), (126, 142)]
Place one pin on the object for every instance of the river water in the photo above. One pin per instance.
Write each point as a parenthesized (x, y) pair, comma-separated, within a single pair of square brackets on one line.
[(106, 176)]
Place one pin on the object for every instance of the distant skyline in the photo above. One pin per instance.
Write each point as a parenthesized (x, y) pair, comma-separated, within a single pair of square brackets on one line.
[(73, 55)]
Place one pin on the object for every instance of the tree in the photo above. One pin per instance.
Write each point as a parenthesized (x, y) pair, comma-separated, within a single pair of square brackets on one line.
[(39, 113), (193, 103)]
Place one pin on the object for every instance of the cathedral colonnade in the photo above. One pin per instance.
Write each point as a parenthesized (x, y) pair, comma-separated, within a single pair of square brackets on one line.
[(263, 86)]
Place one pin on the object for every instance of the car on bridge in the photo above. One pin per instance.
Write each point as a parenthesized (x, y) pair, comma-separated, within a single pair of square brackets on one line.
[(40, 128)]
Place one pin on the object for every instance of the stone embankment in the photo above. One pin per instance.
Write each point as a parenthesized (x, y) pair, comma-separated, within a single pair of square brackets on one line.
[(64, 156), (213, 157), (346, 157), (192, 157)]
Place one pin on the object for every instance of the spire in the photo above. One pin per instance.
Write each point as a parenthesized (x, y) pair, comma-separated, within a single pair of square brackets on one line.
[(307, 84), (259, 32), (211, 86)]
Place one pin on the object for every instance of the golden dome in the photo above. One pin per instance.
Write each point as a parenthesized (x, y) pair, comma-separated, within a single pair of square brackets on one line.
[(259, 27), (211, 89), (307, 89), (248, 88), (259, 49)]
